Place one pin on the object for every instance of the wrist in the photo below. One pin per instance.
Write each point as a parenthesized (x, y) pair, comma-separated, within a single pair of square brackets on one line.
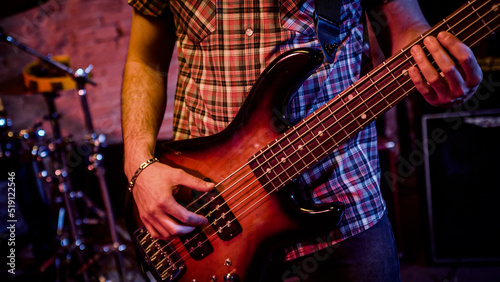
[(139, 170), (133, 161)]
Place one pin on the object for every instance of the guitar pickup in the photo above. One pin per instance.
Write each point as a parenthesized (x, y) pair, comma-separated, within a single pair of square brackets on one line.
[(220, 216)]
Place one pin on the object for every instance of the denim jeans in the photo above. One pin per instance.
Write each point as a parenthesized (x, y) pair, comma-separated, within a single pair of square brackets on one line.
[(368, 256)]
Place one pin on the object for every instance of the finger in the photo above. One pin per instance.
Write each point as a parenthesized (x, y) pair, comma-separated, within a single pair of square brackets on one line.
[(421, 85), (152, 230), (428, 71), (164, 227), (174, 228), (182, 215), (453, 77), (464, 56), (185, 179)]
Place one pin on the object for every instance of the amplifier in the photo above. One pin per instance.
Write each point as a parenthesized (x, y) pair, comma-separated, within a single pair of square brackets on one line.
[(462, 175)]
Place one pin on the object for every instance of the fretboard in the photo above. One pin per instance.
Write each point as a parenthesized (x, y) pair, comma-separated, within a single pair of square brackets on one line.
[(319, 134)]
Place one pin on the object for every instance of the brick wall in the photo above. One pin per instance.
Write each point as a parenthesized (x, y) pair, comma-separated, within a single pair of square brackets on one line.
[(90, 32)]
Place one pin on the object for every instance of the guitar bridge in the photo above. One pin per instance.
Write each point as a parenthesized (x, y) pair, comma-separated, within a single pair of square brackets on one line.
[(163, 261)]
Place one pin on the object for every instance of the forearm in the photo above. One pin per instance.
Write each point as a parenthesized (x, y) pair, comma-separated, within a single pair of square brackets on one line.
[(143, 107), (397, 23), (144, 84)]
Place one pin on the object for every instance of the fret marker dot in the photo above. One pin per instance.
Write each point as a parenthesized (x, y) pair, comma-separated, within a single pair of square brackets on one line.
[(363, 116), (300, 147), (404, 72), (495, 8), (268, 170), (320, 133), (350, 97), (283, 160)]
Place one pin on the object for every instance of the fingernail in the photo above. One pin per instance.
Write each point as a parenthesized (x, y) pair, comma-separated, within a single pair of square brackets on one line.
[(415, 51), (442, 35), (429, 41)]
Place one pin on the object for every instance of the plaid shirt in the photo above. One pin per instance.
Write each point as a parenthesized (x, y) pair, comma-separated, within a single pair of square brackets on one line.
[(223, 47)]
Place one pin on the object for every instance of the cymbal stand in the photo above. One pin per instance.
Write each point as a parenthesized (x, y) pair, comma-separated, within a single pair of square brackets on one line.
[(66, 191), (81, 78)]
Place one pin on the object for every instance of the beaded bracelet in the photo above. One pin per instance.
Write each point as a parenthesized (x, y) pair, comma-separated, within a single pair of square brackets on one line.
[(143, 166)]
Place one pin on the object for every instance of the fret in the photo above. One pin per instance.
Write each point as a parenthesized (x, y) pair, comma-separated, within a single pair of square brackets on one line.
[(364, 102), (288, 151), (373, 83), (345, 99), (307, 125), (390, 72), (447, 25), (356, 90), (334, 120), (332, 113), (266, 160), (370, 97), (322, 122), (479, 16), (491, 19), (283, 158), (302, 149), (320, 146), (350, 109)]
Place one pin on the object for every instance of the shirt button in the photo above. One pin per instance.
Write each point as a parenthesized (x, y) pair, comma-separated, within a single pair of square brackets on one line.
[(249, 32)]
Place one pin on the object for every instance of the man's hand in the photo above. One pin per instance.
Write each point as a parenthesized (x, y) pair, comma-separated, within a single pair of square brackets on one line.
[(154, 193), (456, 82)]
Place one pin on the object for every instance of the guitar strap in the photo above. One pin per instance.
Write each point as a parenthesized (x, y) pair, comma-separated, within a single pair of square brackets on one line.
[(327, 25)]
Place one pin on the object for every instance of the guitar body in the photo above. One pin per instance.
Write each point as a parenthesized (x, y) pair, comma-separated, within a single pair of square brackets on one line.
[(263, 218), (256, 158)]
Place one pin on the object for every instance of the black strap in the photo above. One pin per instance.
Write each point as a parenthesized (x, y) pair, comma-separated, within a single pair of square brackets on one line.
[(327, 24)]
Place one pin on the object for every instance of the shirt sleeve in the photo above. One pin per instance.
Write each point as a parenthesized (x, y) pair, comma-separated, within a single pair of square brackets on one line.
[(152, 8)]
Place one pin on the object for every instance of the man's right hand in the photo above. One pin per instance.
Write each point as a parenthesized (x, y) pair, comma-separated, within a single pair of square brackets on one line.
[(161, 214)]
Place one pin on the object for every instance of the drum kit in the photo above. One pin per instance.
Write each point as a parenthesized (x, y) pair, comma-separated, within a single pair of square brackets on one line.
[(52, 161)]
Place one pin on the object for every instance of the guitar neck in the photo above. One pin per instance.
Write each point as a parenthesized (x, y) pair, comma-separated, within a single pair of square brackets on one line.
[(370, 97)]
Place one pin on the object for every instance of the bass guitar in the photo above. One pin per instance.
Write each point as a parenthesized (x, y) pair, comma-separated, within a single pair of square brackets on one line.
[(253, 161)]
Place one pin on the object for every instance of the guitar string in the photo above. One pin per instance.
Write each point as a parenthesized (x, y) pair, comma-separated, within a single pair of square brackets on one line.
[(314, 114), (382, 111), (260, 153), (368, 120), (268, 195)]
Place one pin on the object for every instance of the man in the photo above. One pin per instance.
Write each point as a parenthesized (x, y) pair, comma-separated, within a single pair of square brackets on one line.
[(223, 47)]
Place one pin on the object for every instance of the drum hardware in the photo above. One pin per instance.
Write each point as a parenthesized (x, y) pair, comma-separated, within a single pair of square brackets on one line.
[(39, 158), (96, 141), (6, 134), (69, 222)]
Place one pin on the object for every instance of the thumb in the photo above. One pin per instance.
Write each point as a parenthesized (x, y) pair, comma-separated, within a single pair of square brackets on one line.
[(190, 181)]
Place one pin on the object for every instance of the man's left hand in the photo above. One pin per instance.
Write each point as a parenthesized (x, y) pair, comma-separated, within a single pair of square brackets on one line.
[(455, 81)]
